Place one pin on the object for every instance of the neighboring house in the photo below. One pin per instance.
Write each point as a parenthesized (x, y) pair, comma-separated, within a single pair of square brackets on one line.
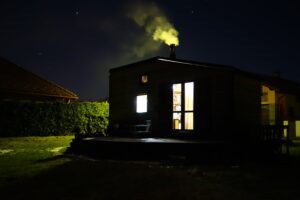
[(17, 83), (164, 97), (281, 103)]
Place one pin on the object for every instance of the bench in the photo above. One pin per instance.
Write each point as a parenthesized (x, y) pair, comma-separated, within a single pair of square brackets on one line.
[(142, 128)]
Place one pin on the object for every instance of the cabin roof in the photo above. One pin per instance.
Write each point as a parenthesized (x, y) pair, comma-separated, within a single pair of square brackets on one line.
[(277, 83), (176, 61), (16, 80)]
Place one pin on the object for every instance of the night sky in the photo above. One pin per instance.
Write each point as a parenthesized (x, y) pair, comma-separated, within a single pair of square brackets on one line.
[(75, 43)]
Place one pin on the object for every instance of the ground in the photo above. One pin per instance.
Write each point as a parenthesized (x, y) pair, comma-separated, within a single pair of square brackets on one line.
[(37, 168)]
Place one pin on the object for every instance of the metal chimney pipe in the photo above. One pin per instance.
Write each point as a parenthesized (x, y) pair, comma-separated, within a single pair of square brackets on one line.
[(172, 51)]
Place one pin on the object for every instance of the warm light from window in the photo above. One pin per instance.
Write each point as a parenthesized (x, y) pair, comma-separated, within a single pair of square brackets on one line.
[(177, 97), (189, 121), (285, 123), (183, 106), (264, 96), (144, 79), (141, 103), (177, 121), (189, 96), (297, 128)]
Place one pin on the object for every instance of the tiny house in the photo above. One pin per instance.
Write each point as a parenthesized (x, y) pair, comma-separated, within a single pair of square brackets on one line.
[(168, 97)]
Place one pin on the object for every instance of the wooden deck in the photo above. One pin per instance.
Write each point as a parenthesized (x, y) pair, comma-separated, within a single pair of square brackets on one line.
[(148, 148), (143, 140), (166, 149)]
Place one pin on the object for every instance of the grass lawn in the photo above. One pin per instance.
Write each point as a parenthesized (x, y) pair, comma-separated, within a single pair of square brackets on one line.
[(24, 157), (35, 168)]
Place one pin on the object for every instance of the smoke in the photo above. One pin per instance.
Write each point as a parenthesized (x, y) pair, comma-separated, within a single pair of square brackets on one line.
[(129, 42), (150, 17), (143, 46)]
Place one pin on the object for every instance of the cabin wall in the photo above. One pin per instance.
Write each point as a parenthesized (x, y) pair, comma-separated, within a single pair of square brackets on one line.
[(247, 105), (221, 104), (171, 74), (124, 86), (217, 95), (212, 99), (213, 90)]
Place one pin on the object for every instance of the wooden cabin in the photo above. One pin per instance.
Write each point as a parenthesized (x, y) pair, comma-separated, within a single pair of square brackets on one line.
[(168, 97)]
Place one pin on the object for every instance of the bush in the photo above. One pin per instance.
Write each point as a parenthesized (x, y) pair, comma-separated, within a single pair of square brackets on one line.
[(53, 118)]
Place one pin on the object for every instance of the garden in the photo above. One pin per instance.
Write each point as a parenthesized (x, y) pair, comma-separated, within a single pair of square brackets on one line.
[(35, 163), (38, 168)]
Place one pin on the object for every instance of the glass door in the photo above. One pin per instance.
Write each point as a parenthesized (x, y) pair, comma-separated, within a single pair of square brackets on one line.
[(183, 106)]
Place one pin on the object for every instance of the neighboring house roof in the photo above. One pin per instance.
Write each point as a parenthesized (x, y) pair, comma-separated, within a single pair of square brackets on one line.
[(274, 82), (18, 81), (281, 85)]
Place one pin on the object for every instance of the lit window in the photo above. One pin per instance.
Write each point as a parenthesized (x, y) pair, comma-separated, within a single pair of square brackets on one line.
[(189, 121), (264, 96), (285, 123), (177, 121), (141, 103), (297, 128), (183, 106), (189, 96), (177, 97)]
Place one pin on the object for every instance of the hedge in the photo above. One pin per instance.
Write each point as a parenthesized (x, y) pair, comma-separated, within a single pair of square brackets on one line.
[(53, 118)]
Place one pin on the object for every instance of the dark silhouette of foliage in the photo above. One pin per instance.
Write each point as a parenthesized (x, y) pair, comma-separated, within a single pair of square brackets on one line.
[(53, 118)]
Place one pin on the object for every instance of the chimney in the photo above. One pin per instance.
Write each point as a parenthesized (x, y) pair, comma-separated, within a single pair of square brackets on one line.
[(172, 51)]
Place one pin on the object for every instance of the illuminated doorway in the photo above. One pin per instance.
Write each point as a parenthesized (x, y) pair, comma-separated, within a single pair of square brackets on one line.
[(183, 106)]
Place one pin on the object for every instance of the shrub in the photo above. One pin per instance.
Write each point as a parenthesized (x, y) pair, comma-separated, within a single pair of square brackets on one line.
[(53, 118)]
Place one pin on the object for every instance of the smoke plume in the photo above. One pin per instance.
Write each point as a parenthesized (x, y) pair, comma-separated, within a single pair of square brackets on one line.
[(153, 20)]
